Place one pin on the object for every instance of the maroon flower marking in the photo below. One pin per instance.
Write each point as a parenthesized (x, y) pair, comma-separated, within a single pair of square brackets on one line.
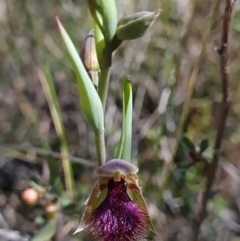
[(116, 210), (118, 218)]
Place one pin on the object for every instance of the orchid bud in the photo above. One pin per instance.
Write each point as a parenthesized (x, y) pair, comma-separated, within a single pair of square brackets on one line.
[(116, 209), (89, 58), (136, 25)]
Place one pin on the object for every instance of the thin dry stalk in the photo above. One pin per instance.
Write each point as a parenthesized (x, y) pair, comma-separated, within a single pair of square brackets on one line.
[(191, 83), (212, 168)]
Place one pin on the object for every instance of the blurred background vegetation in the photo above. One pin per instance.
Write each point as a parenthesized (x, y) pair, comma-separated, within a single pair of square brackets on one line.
[(160, 66)]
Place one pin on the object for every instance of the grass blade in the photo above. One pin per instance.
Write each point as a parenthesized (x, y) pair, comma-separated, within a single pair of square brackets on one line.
[(50, 93)]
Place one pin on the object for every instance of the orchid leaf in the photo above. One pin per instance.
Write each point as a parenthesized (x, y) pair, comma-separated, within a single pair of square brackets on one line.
[(125, 143), (89, 100)]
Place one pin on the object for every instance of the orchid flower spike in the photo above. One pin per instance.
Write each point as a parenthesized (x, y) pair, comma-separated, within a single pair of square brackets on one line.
[(116, 210)]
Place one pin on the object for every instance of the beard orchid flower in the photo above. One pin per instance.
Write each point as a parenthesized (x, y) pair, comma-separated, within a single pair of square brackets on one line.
[(116, 210)]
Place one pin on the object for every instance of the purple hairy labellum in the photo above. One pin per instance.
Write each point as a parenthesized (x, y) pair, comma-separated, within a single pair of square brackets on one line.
[(116, 210)]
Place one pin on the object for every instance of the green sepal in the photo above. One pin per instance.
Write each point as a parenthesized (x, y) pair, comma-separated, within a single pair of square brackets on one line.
[(136, 25)]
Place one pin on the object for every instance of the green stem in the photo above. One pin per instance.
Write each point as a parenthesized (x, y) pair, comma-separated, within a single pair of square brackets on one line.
[(103, 85), (100, 148), (104, 54), (105, 73)]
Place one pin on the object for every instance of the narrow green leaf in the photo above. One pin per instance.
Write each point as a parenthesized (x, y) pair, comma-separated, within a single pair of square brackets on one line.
[(125, 143), (37, 187), (47, 231), (203, 145), (120, 144), (51, 96), (53, 166), (59, 187), (89, 100), (188, 143)]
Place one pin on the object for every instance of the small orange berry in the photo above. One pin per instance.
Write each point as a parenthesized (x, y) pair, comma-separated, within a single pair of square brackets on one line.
[(50, 210), (29, 196)]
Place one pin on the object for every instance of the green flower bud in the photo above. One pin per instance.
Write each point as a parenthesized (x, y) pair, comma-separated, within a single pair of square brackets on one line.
[(136, 25), (89, 57), (104, 12)]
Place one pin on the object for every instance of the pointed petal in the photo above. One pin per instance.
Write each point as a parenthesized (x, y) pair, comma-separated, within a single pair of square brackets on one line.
[(135, 193), (97, 196)]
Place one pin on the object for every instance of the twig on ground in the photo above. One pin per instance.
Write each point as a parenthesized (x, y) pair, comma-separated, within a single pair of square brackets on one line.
[(213, 166), (11, 151)]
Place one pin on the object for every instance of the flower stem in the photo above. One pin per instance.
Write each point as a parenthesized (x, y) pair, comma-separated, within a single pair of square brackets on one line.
[(103, 85), (105, 59), (100, 148), (105, 73)]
